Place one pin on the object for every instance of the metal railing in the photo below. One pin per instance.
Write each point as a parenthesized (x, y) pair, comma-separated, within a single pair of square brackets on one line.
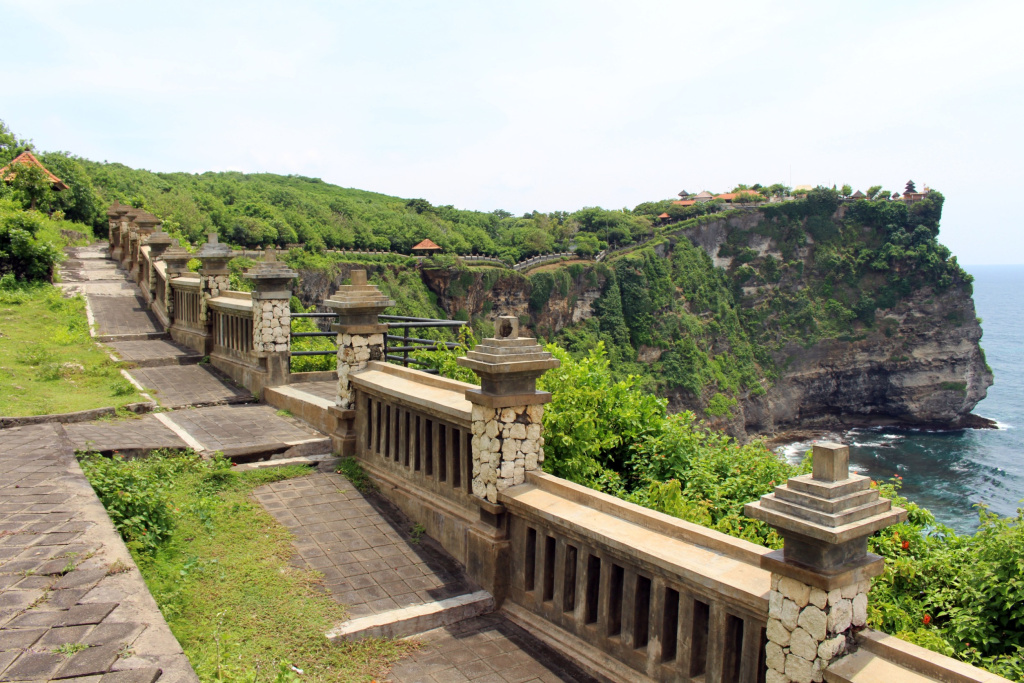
[(326, 335), (398, 347)]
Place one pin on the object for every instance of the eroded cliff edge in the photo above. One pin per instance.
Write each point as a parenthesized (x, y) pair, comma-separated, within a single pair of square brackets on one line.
[(761, 322)]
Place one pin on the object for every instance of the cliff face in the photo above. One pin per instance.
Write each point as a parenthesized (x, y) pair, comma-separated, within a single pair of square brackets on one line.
[(911, 358), (922, 365)]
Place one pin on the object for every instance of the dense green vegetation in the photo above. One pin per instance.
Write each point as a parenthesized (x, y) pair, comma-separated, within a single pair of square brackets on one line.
[(218, 566)]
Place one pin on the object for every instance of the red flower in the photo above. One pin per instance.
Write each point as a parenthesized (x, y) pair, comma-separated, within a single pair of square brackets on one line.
[(906, 544), (927, 619)]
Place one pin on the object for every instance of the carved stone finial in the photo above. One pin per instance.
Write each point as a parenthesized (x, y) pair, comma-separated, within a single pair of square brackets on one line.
[(831, 462), (825, 519), (507, 364)]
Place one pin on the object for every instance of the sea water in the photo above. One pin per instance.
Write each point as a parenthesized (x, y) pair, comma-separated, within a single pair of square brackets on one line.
[(950, 473)]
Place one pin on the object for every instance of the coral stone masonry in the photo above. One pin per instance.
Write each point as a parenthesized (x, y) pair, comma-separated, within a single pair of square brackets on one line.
[(507, 409), (213, 275), (360, 334), (821, 577), (271, 304)]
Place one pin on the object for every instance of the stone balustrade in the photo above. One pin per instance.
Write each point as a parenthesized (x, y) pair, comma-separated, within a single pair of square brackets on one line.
[(247, 335)]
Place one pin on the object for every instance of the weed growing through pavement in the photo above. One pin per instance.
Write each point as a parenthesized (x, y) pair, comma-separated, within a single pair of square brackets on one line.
[(353, 471)]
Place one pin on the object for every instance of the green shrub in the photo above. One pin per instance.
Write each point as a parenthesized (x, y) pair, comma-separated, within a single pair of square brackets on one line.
[(24, 253), (135, 497)]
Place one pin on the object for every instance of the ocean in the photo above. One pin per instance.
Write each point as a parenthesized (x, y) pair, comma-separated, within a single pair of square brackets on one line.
[(951, 472)]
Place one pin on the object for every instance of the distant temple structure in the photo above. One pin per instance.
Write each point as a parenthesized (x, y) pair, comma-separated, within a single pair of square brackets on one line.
[(8, 172), (426, 248)]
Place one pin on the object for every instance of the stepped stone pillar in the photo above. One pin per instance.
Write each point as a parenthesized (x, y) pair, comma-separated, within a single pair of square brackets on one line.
[(271, 316), (507, 408), (114, 214), (360, 340), (821, 577), (146, 224), (127, 225), (158, 242), (214, 276)]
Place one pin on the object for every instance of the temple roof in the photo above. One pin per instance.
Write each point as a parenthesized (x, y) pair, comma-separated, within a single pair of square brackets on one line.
[(426, 244), (29, 158)]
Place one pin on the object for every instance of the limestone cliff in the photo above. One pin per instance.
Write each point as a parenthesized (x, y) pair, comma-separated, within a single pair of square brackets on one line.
[(837, 319)]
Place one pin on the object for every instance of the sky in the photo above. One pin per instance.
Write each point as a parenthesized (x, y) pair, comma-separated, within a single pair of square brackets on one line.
[(550, 105)]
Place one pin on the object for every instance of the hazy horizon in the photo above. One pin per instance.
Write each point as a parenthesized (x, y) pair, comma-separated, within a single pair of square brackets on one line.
[(542, 106)]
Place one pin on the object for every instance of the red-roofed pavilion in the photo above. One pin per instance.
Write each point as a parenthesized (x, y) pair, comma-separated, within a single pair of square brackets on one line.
[(426, 247), (7, 172)]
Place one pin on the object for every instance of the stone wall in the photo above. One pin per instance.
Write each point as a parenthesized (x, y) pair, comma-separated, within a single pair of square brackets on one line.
[(507, 443), (272, 322), (809, 628)]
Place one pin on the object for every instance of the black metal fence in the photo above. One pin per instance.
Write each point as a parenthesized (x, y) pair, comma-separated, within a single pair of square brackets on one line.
[(328, 335), (397, 346)]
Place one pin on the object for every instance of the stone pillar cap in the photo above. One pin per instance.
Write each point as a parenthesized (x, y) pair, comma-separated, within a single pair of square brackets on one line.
[(508, 353), (214, 249), (358, 297), (146, 220), (830, 505), (117, 209), (270, 269), (159, 237)]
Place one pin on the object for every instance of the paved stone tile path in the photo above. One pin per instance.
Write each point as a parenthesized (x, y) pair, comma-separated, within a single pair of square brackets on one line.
[(177, 386), (362, 548), (123, 316), (370, 563), (326, 390), (142, 434), (485, 649), (66, 577), (154, 352), (222, 427)]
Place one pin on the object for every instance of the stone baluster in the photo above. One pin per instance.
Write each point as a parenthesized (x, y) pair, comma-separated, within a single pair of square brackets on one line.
[(360, 340), (271, 316), (146, 224), (821, 577), (158, 242), (507, 408), (114, 216), (214, 276)]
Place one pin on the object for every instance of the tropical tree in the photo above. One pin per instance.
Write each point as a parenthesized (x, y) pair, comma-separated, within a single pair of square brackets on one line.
[(30, 184)]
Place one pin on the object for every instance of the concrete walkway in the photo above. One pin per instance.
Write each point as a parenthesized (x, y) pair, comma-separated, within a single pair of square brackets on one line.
[(372, 563), (66, 578)]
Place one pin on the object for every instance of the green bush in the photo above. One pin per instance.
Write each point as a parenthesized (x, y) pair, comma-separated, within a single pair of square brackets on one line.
[(24, 253), (135, 497)]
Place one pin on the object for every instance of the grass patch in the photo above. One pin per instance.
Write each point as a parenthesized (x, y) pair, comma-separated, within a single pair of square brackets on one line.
[(48, 362), (354, 472), (221, 575)]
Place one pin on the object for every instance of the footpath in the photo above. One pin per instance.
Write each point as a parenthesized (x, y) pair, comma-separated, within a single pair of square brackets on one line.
[(66, 579)]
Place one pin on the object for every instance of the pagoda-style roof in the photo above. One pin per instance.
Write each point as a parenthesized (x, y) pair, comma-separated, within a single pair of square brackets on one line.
[(426, 244), (8, 172)]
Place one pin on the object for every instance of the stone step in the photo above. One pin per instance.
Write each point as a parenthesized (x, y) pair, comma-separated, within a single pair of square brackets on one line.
[(280, 462), (409, 621), (141, 336)]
